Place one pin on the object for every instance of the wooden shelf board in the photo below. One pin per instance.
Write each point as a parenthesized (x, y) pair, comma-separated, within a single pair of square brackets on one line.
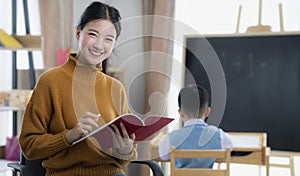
[(29, 42), (10, 108)]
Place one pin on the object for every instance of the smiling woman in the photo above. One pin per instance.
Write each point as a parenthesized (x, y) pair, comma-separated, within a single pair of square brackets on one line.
[(97, 32), (72, 100), (96, 42)]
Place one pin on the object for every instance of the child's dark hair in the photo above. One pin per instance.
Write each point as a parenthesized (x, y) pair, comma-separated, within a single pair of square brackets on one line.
[(193, 99), (98, 10)]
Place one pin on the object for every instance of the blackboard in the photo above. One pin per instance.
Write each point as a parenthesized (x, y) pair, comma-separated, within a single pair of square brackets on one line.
[(263, 84)]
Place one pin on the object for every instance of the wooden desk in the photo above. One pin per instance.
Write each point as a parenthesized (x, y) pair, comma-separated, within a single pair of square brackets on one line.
[(241, 155), (251, 148)]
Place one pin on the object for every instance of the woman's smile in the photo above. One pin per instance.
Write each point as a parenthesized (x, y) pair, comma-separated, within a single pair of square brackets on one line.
[(96, 53)]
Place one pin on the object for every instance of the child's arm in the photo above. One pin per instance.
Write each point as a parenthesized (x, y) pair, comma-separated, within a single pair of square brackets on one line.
[(226, 140), (164, 148)]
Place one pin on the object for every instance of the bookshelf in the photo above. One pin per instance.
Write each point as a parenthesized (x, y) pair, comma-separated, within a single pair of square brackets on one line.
[(30, 43)]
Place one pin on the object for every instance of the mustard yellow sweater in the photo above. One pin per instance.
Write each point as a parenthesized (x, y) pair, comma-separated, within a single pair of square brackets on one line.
[(59, 98)]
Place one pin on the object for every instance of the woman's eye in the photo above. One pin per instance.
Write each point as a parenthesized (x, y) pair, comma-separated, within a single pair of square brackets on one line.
[(109, 39), (92, 34)]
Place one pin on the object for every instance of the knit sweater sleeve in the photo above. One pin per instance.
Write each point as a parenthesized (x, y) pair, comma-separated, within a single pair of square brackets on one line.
[(35, 140)]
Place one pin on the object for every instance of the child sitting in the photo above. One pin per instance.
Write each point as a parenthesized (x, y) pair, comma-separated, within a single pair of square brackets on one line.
[(193, 101)]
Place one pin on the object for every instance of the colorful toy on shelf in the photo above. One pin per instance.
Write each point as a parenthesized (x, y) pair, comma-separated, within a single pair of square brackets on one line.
[(8, 40), (62, 55)]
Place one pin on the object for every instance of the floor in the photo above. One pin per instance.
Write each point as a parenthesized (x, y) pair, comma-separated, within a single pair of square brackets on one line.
[(6, 173), (236, 169), (4, 170), (253, 170)]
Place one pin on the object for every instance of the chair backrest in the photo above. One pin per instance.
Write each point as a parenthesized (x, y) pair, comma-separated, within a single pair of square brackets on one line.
[(28, 167), (218, 154), (32, 167)]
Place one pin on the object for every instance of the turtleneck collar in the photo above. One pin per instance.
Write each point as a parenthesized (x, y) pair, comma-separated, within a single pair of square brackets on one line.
[(81, 71)]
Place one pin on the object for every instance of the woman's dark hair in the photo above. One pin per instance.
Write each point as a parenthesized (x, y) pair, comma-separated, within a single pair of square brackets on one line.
[(193, 99), (98, 10)]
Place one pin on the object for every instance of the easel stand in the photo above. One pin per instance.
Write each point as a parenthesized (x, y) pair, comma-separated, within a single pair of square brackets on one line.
[(259, 27)]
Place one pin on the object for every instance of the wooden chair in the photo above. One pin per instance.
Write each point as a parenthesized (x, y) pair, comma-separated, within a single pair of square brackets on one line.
[(251, 148), (288, 155), (218, 154)]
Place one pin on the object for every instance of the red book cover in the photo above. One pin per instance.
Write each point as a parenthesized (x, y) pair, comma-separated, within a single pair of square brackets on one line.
[(133, 124)]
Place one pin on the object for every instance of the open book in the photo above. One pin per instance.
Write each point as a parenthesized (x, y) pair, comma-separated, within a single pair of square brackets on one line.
[(133, 124)]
